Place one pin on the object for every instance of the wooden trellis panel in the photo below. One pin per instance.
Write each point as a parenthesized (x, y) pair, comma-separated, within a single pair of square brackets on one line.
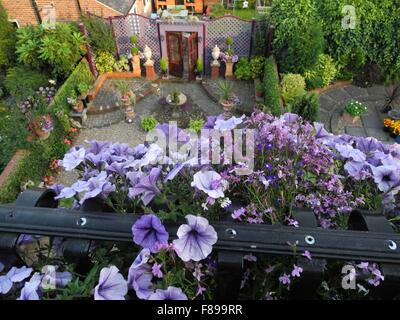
[(228, 26), (133, 24)]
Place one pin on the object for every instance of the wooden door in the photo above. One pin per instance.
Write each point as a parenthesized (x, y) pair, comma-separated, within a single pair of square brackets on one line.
[(192, 50), (174, 49)]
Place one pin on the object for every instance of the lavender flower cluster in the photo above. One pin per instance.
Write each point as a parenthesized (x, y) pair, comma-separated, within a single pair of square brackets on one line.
[(43, 94)]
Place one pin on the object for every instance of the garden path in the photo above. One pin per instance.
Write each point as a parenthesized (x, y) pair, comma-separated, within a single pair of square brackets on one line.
[(371, 124)]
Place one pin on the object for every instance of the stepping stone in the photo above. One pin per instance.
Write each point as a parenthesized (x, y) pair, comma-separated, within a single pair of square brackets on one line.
[(356, 92), (356, 131), (377, 133), (377, 90), (371, 121), (339, 94), (327, 104)]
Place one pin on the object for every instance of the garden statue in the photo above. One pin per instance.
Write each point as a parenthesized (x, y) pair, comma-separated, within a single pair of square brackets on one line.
[(215, 63), (229, 58)]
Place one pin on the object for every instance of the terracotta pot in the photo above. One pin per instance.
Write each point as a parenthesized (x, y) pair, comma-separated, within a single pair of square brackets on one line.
[(229, 69), (42, 135), (259, 94), (226, 105), (349, 118), (79, 106), (137, 72)]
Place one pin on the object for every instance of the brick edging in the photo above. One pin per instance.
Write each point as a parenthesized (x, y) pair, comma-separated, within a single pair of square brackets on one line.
[(11, 166)]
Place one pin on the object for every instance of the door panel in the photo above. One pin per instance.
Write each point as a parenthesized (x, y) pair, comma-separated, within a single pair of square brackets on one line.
[(192, 55), (174, 49)]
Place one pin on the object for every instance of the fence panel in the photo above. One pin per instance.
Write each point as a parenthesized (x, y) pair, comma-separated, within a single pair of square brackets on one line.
[(146, 29), (228, 26)]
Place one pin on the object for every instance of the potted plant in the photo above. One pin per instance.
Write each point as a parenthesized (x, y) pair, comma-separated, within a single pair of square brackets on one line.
[(75, 103), (353, 110), (227, 99), (126, 93), (199, 69), (164, 68), (229, 58), (135, 56), (260, 90), (41, 126)]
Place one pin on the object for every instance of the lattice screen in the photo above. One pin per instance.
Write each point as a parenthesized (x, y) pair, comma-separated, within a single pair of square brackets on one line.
[(217, 32), (146, 30)]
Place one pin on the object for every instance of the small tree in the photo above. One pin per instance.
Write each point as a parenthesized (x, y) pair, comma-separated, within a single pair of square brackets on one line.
[(7, 40)]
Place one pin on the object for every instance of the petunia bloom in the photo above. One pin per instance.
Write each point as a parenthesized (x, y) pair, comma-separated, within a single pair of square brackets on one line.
[(147, 186), (111, 286), (195, 239), (386, 177), (148, 231), (73, 158), (209, 182), (171, 293), (140, 275)]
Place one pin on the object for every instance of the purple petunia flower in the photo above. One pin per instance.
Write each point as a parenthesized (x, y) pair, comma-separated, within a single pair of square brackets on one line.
[(140, 275), (156, 270), (284, 279), (111, 286), (148, 231), (226, 125), (98, 186), (296, 271), (13, 275), (96, 146), (386, 177), (357, 170), (209, 182), (348, 152), (171, 293), (195, 239), (31, 287), (73, 158), (147, 186)]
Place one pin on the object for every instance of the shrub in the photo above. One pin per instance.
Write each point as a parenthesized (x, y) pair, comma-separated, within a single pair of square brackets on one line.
[(80, 77), (355, 108), (298, 37), (243, 71), (292, 86), (7, 40), (101, 37), (199, 65), (257, 67), (322, 74), (164, 64), (57, 50), (271, 88), (121, 65), (250, 69), (148, 123), (105, 62), (307, 106), (22, 82), (196, 125)]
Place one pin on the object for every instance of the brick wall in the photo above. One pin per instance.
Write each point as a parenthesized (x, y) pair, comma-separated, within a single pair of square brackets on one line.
[(66, 10)]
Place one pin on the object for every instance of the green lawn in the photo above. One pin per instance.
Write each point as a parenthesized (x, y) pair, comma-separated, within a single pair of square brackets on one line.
[(247, 14)]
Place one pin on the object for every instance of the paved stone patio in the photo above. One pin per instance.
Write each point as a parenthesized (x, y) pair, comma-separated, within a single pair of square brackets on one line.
[(333, 102)]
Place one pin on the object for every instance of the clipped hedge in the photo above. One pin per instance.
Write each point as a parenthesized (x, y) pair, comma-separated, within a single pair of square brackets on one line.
[(60, 107), (272, 98), (41, 153)]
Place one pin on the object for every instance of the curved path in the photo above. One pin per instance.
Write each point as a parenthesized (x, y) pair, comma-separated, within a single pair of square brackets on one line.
[(371, 124)]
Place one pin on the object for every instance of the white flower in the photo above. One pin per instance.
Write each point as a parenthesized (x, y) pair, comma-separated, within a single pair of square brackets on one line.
[(225, 202), (53, 82)]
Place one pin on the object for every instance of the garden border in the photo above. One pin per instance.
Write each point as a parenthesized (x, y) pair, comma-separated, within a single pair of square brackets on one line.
[(14, 162)]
